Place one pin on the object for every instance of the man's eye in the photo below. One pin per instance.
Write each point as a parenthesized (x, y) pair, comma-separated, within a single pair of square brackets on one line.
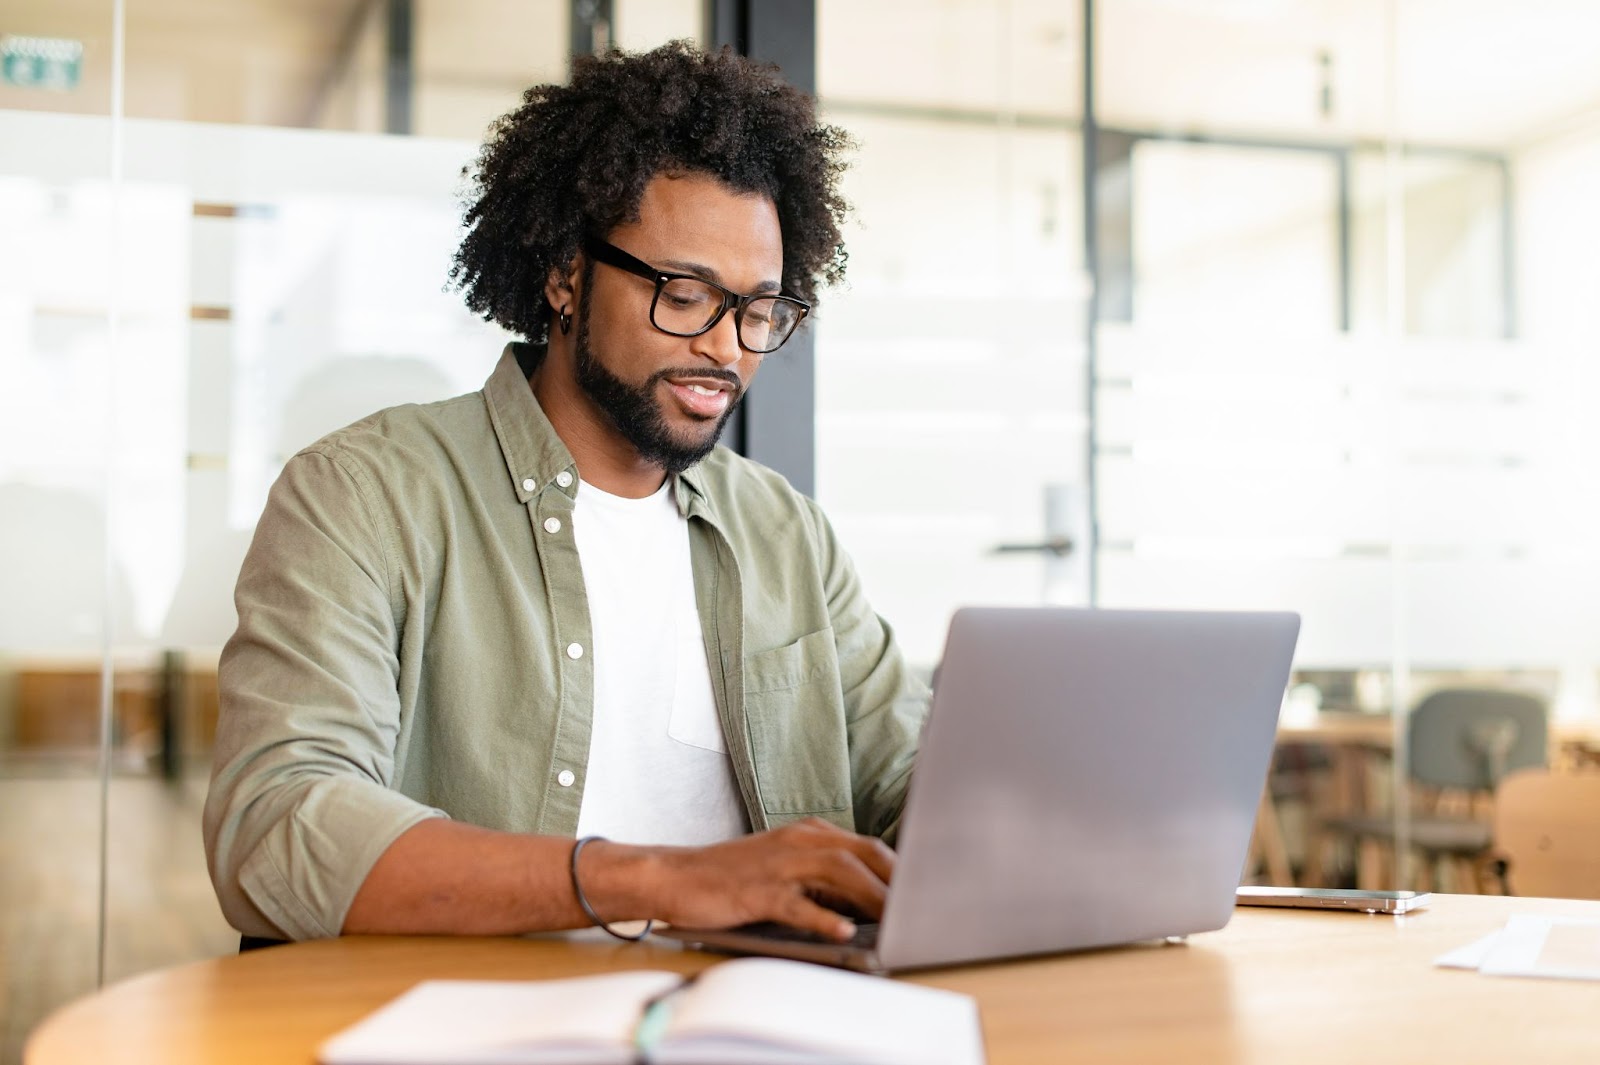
[(680, 296)]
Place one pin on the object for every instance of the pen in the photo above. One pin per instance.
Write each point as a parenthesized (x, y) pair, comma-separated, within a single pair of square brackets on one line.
[(655, 1015)]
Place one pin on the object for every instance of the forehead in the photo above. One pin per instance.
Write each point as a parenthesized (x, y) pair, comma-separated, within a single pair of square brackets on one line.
[(693, 217)]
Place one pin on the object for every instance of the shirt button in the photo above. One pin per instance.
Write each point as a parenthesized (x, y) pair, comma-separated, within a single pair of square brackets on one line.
[(574, 650), (564, 479), (552, 525), (565, 778), (529, 484)]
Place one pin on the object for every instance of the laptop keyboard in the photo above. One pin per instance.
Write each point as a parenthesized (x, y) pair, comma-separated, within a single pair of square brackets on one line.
[(866, 937)]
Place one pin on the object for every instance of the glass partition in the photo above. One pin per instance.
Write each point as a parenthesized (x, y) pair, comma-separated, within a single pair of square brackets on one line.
[(951, 429), (1337, 355), (210, 263), (1339, 378), (61, 598)]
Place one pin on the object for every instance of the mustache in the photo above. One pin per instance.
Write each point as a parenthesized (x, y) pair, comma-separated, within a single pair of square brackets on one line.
[(699, 371)]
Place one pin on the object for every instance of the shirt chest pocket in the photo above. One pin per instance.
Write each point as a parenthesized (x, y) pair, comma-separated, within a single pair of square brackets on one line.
[(794, 704)]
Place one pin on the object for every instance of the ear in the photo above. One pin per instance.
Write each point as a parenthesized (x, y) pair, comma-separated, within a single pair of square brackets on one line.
[(561, 287)]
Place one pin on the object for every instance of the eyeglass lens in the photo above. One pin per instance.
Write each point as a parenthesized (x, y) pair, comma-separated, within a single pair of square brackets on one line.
[(686, 306)]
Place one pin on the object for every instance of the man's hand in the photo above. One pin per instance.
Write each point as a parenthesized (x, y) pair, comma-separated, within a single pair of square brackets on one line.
[(776, 875)]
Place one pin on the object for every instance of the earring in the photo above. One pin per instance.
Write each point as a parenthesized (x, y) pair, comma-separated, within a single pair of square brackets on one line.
[(564, 320)]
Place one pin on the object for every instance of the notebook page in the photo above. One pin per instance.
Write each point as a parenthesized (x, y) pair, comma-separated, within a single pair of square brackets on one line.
[(826, 1014), (585, 1021)]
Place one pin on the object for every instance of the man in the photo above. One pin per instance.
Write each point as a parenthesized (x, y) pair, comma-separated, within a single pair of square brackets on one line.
[(472, 631)]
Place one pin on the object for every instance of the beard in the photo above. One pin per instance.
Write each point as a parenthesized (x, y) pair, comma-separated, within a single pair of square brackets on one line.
[(635, 410)]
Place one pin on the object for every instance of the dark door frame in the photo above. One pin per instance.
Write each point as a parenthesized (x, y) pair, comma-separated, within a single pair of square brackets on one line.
[(776, 424)]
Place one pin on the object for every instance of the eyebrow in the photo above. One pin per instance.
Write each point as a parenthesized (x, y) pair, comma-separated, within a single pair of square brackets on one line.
[(701, 270)]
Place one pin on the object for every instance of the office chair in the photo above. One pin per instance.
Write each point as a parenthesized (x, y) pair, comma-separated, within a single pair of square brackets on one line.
[(1547, 831), (1460, 740)]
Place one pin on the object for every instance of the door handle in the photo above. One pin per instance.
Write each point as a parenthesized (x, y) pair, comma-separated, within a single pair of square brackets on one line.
[(1060, 547)]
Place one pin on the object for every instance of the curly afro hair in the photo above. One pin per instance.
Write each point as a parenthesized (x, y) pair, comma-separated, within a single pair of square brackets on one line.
[(574, 160)]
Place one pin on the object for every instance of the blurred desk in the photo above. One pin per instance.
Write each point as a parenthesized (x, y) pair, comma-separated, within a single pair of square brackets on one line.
[(1342, 730), (1357, 743), (58, 704), (161, 706), (1317, 988), (1360, 745)]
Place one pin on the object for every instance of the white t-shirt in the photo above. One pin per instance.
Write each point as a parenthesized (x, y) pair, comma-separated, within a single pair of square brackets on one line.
[(659, 771)]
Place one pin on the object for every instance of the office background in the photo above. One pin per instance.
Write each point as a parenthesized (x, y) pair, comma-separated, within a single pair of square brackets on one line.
[(1185, 303)]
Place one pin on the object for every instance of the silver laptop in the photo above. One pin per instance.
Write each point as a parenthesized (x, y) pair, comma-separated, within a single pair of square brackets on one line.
[(1087, 778)]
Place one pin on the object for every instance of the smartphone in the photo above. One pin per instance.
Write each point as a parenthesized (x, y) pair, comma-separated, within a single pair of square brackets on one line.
[(1335, 899)]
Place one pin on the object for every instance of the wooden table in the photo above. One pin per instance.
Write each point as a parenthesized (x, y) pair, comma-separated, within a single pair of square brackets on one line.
[(1274, 986)]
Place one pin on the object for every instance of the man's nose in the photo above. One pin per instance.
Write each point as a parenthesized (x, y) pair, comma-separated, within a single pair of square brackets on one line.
[(720, 343)]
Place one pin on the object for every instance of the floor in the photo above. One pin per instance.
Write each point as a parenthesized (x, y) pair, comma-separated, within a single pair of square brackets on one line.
[(160, 907)]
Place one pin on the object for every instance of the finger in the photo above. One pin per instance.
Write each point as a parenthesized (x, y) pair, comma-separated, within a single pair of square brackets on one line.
[(825, 833), (800, 912), (870, 850), (876, 855), (845, 876), (838, 905)]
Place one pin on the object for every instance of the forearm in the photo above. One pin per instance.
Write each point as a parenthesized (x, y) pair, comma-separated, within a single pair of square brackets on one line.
[(446, 877)]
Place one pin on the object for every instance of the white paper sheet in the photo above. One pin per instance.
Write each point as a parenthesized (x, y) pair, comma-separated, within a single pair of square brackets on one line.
[(1562, 947), (1559, 947), (1470, 956)]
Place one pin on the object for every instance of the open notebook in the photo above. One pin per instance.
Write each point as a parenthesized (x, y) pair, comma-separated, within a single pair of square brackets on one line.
[(758, 1011)]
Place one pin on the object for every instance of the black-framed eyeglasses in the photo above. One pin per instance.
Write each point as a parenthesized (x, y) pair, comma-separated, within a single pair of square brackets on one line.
[(686, 306)]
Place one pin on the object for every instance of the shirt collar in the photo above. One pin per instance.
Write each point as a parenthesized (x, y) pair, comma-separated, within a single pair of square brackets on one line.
[(535, 456)]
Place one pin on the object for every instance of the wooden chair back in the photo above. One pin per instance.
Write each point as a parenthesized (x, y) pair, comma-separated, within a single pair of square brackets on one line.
[(1547, 828)]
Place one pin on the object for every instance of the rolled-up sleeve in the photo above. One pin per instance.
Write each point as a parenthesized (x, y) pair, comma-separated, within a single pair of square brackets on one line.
[(301, 804), (885, 702)]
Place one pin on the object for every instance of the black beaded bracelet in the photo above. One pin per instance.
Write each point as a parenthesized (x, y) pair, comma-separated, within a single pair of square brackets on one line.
[(588, 911)]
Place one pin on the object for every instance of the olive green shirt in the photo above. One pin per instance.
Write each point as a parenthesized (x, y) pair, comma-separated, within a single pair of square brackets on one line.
[(414, 642)]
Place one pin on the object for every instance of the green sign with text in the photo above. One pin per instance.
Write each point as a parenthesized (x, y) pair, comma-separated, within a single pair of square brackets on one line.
[(41, 62)]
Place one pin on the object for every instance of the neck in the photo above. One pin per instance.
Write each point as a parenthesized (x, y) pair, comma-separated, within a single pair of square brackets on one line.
[(604, 456)]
